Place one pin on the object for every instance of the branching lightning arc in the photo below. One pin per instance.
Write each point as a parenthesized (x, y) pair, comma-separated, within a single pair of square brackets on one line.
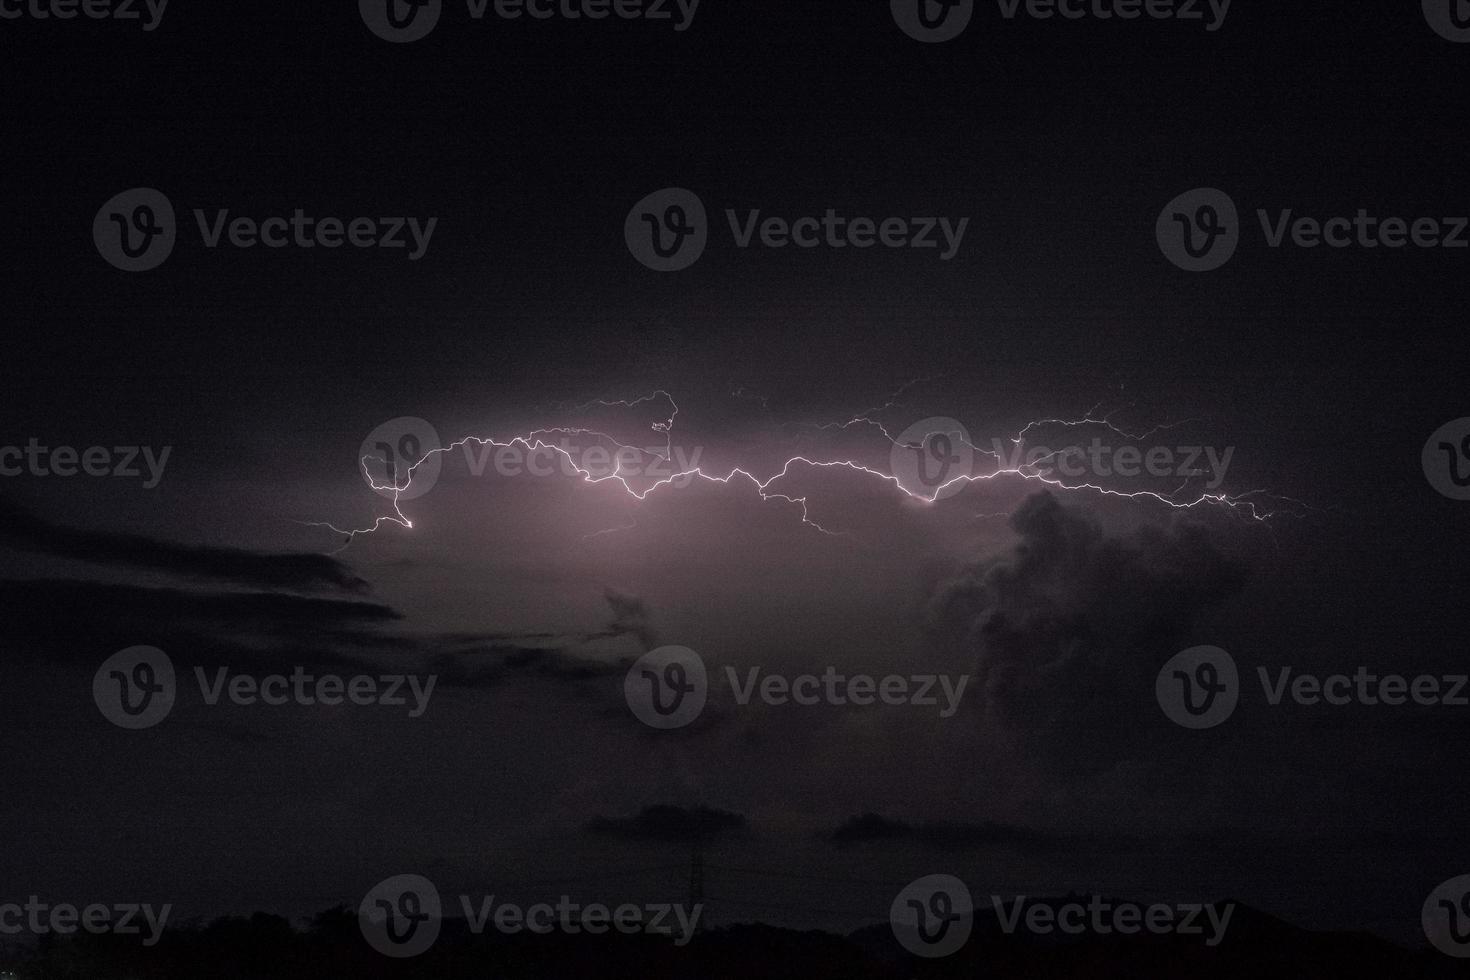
[(1256, 505)]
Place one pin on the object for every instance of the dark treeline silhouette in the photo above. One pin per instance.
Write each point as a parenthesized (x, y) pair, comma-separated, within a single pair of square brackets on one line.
[(330, 945)]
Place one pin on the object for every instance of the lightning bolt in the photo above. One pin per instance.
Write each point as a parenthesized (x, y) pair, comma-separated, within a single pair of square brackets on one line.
[(1257, 505)]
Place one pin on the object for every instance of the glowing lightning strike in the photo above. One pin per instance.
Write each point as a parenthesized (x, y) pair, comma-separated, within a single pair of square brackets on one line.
[(535, 441)]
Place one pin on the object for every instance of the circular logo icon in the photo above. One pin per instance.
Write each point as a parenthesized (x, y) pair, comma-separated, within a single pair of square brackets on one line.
[(933, 916), (1199, 230), (933, 21), (933, 458), (400, 21), (1446, 459), (1449, 18), (401, 916), (1199, 688), (1446, 917), (667, 687), (135, 231), (667, 230), (401, 457), (134, 688)]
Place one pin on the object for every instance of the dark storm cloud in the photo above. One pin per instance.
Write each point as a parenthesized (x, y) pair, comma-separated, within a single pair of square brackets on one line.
[(490, 659), (493, 666), (669, 824), (72, 598), (872, 828), (470, 639), (22, 531), (1071, 625), (631, 616), (274, 631), (66, 620)]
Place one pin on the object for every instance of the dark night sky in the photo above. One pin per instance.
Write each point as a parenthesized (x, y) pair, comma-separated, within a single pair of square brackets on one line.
[(1326, 370)]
